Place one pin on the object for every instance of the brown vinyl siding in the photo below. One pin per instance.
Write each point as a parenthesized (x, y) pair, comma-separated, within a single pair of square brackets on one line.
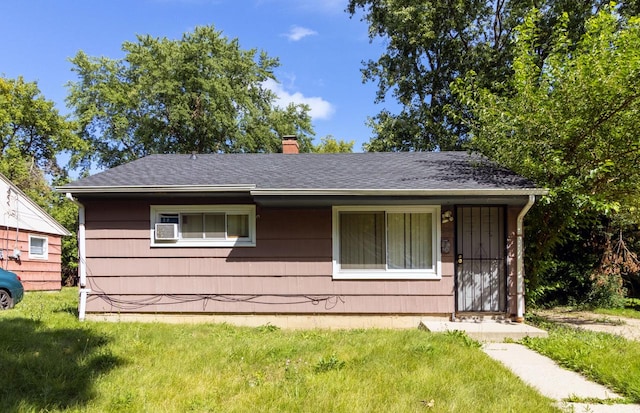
[(276, 285), (266, 304), (139, 248), (288, 271), (36, 274), (172, 267)]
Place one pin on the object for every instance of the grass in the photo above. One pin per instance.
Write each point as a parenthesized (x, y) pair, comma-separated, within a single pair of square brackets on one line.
[(604, 358), (51, 362), (630, 310)]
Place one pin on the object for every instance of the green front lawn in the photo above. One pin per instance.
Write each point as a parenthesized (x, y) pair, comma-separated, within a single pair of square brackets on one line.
[(605, 358), (52, 362), (630, 310)]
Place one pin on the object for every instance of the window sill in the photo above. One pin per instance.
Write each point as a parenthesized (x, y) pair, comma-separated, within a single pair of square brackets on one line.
[(38, 257), (386, 275), (203, 244)]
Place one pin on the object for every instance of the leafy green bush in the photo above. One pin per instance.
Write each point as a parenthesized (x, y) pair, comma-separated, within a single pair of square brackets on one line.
[(606, 291)]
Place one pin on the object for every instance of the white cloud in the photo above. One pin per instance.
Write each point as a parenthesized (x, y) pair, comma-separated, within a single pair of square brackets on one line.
[(320, 108), (297, 33)]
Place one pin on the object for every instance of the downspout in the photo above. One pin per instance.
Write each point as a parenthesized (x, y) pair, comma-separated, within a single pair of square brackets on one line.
[(82, 259), (520, 258)]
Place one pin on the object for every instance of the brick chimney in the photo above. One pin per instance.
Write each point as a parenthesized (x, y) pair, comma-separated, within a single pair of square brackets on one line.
[(290, 144)]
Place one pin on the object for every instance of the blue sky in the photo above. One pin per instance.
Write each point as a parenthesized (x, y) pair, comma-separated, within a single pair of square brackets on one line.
[(320, 47)]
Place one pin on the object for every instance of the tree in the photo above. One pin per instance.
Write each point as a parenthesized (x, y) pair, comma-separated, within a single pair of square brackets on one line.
[(32, 136), (570, 125), (329, 144), (66, 213), (201, 93), (31, 129), (432, 43)]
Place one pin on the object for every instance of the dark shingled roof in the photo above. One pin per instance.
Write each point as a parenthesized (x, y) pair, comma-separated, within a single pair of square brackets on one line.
[(345, 171)]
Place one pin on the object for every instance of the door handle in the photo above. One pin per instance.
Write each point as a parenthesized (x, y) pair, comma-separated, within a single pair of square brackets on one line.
[(459, 258)]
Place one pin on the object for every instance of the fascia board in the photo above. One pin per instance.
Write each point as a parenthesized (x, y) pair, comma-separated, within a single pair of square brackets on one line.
[(151, 189), (400, 192), (250, 188)]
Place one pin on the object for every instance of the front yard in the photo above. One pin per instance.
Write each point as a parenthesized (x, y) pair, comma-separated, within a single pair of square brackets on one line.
[(605, 358), (52, 362)]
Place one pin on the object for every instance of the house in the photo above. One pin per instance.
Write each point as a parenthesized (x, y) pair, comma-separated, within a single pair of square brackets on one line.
[(285, 238), (30, 240)]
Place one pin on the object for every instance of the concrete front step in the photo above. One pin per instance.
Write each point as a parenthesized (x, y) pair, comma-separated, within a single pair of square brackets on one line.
[(487, 330)]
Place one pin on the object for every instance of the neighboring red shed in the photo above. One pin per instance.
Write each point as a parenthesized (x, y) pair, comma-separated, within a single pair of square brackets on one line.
[(30, 240)]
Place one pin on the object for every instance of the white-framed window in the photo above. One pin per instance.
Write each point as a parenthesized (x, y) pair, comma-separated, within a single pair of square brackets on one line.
[(386, 242), (38, 247), (203, 225)]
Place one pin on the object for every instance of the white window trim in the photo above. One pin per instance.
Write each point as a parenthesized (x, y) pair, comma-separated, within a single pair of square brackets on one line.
[(45, 247), (434, 273), (249, 210)]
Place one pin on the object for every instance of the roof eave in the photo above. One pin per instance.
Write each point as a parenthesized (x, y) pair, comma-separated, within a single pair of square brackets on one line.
[(251, 189), (137, 189), (400, 192)]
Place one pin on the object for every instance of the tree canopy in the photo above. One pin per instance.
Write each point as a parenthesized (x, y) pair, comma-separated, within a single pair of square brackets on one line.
[(200, 93), (431, 43), (570, 125), (33, 136), (329, 144), (31, 128)]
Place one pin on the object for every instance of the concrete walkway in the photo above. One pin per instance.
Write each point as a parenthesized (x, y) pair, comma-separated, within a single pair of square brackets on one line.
[(553, 381), (539, 371), (488, 329)]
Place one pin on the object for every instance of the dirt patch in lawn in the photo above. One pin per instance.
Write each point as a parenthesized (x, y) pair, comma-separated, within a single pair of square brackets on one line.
[(625, 327)]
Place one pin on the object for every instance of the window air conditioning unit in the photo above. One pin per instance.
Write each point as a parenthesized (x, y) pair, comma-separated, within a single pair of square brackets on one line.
[(167, 232)]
